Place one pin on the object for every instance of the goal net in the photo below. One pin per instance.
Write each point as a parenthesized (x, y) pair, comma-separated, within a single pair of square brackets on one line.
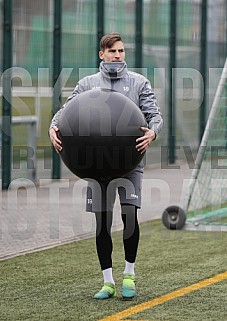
[(206, 202)]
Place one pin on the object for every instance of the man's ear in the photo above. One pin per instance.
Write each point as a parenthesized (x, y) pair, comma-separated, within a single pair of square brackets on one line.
[(101, 54)]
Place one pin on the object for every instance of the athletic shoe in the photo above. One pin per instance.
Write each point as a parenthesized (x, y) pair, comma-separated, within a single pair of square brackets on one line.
[(107, 291), (128, 286)]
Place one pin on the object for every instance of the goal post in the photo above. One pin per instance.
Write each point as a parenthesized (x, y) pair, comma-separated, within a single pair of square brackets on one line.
[(206, 202)]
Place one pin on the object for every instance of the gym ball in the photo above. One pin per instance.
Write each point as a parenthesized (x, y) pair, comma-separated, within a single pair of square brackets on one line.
[(98, 129)]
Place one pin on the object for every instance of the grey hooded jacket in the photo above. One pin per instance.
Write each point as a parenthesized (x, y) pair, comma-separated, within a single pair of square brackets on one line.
[(116, 76)]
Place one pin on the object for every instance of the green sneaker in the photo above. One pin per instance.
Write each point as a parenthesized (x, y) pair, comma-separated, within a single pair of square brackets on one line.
[(128, 286), (107, 291)]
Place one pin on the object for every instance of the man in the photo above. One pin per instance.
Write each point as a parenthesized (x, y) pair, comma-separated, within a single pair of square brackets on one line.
[(114, 75)]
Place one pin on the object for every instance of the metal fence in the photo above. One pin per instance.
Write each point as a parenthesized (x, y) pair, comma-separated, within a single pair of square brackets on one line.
[(164, 45)]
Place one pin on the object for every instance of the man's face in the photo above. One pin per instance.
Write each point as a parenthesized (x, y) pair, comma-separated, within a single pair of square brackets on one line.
[(114, 54)]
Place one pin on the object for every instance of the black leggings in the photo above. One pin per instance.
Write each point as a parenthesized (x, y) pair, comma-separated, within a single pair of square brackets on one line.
[(131, 233)]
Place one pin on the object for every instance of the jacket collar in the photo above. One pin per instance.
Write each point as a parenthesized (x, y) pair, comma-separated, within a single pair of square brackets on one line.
[(113, 70)]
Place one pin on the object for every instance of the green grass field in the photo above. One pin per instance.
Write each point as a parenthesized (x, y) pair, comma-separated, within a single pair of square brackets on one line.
[(25, 106), (58, 284)]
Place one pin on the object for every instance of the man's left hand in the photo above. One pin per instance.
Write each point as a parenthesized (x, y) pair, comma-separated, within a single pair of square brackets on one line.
[(145, 140)]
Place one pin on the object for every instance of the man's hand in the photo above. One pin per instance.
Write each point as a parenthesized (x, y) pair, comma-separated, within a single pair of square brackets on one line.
[(54, 139), (145, 140)]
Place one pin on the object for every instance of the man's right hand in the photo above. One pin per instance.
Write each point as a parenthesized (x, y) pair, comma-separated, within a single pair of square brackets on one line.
[(54, 138)]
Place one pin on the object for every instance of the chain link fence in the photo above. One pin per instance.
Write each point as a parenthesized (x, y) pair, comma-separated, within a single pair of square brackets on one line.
[(33, 53)]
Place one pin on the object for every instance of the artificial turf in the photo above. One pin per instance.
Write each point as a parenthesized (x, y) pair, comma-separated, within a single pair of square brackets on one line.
[(58, 284)]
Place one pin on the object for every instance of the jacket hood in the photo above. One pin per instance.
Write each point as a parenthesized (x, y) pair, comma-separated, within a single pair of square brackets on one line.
[(113, 70)]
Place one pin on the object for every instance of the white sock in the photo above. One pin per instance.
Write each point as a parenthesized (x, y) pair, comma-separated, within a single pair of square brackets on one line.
[(129, 268), (108, 276)]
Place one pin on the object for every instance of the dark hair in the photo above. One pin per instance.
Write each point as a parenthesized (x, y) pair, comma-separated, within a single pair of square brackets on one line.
[(108, 40)]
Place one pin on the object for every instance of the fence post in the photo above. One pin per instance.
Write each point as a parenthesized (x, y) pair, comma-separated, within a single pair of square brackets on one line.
[(172, 65), (6, 93), (203, 68), (56, 168), (100, 25), (139, 34)]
